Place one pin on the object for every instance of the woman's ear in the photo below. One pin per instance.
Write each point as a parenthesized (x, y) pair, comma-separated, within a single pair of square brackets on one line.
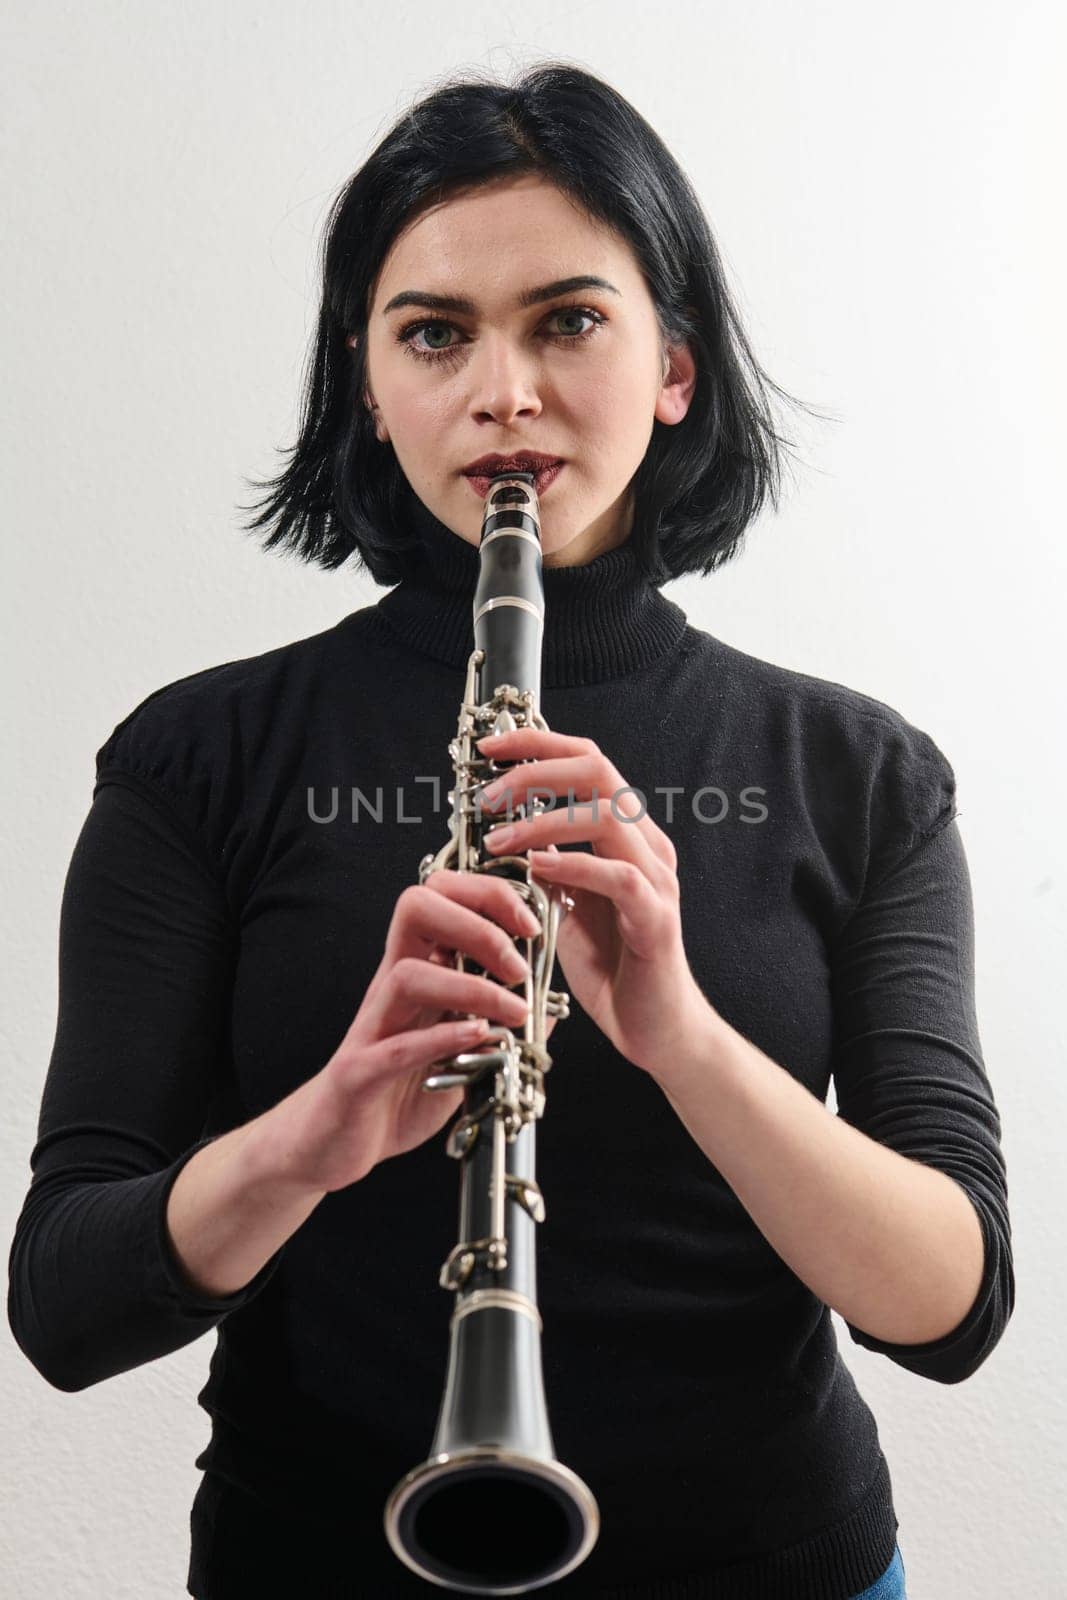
[(380, 430), (679, 377)]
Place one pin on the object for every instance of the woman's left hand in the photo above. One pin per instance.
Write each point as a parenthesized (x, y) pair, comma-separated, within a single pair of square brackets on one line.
[(621, 947)]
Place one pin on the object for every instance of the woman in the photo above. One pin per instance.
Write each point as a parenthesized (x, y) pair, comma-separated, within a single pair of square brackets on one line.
[(233, 1133)]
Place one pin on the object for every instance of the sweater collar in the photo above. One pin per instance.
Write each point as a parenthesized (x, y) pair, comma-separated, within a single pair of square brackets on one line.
[(602, 620)]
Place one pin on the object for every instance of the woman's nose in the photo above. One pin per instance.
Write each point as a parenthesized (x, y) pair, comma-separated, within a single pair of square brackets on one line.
[(504, 381)]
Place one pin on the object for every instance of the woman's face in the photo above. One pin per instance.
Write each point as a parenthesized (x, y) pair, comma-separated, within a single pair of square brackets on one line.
[(578, 376)]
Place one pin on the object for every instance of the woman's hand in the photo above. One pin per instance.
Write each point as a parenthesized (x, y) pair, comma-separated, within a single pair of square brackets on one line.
[(621, 947), (367, 1103)]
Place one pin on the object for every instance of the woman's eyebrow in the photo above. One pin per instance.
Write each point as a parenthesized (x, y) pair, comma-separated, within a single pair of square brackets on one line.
[(529, 297)]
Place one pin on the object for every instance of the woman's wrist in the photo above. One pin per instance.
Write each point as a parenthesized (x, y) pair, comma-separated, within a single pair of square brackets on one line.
[(233, 1205)]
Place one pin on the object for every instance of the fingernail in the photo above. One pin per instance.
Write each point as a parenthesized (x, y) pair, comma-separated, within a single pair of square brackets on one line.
[(499, 836)]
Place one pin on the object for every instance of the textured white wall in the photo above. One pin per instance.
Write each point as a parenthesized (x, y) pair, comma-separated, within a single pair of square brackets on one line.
[(883, 183)]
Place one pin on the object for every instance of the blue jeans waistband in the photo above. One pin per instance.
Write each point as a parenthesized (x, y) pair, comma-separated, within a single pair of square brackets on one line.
[(890, 1586)]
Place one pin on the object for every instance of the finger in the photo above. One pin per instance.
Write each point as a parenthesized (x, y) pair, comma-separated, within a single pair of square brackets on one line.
[(403, 1053), (557, 763), (570, 778), (414, 986), (433, 917), (610, 838), (641, 913), (493, 896), (534, 741)]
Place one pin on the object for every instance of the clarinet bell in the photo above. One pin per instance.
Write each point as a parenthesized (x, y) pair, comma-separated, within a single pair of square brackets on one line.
[(492, 1511)]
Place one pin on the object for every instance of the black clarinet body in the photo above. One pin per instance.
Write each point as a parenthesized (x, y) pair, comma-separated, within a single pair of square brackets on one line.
[(492, 1511)]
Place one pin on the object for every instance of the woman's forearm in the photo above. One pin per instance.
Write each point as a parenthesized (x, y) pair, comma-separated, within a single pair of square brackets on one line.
[(232, 1206), (893, 1246)]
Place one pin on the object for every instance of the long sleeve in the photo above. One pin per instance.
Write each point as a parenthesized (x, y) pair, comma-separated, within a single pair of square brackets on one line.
[(908, 1067), (134, 1087)]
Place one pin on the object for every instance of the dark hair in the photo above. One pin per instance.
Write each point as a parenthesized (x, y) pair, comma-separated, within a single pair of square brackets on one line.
[(701, 482)]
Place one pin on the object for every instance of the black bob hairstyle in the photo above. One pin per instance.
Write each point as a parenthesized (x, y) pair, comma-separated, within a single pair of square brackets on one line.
[(701, 482)]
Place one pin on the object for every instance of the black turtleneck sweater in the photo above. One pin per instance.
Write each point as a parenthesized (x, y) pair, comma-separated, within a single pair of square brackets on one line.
[(215, 943)]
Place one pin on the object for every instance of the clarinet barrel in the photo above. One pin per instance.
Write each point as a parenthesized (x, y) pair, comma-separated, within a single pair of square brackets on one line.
[(492, 1511)]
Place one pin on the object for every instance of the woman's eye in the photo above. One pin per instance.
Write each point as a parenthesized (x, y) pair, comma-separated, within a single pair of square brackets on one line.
[(436, 327)]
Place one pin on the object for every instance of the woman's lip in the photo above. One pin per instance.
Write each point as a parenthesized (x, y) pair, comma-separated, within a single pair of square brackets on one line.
[(542, 480)]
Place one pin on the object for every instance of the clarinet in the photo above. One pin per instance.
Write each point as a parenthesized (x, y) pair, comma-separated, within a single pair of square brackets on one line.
[(491, 1511)]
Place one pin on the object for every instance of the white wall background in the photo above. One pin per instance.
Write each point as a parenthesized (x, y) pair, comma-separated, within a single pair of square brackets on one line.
[(886, 186)]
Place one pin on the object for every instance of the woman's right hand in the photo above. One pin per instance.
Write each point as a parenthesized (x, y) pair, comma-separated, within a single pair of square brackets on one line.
[(367, 1103)]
